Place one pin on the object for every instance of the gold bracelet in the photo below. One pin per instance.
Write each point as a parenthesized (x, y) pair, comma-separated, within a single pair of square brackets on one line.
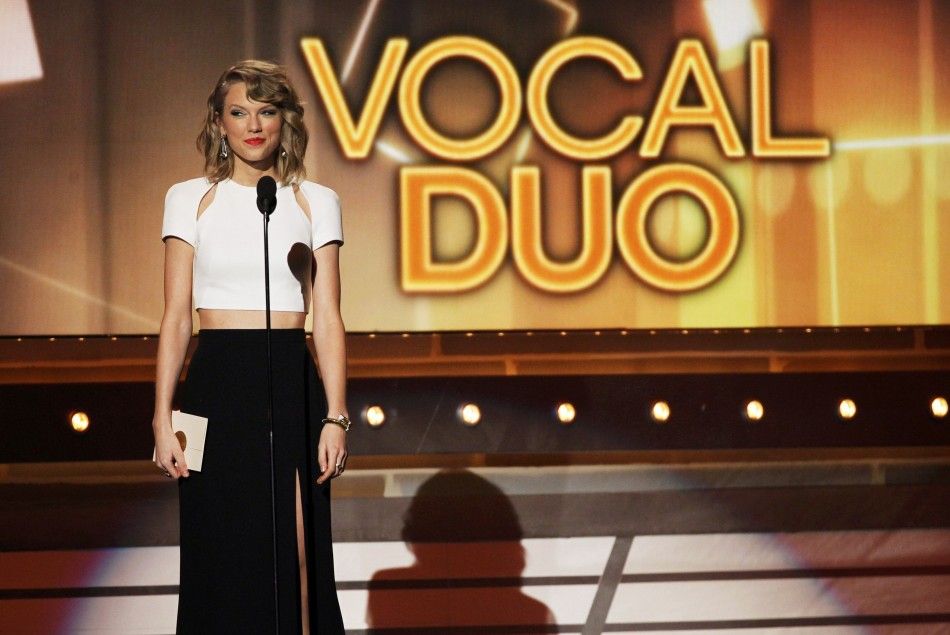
[(341, 421)]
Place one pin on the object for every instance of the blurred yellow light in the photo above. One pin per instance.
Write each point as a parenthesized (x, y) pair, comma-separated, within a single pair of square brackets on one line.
[(938, 407), (660, 411), (754, 410), (677, 227), (470, 414), (775, 187), (79, 420), (375, 416), (847, 409), (888, 174), (566, 412)]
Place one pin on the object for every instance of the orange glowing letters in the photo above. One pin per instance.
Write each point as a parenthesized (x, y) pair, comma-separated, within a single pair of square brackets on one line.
[(420, 185), (421, 273), (690, 60)]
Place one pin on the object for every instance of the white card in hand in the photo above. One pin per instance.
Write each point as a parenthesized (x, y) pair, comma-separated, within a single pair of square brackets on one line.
[(191, 431)]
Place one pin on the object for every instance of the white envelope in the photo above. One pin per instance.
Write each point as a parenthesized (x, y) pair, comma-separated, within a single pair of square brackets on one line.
[(191, 431)]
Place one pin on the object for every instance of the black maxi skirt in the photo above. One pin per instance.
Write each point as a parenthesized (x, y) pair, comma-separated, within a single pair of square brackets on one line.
[(227, 575)]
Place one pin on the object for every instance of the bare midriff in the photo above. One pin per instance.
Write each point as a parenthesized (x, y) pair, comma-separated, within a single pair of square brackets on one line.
[(232, 319)]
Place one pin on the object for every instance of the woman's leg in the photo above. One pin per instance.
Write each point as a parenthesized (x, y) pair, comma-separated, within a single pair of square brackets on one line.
[(302, 559)]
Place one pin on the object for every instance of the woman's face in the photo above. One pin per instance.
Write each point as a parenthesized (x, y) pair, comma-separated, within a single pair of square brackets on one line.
[(252, 127)]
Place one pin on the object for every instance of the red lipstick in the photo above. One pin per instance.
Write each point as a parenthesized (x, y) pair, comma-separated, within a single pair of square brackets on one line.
[(254, 141)]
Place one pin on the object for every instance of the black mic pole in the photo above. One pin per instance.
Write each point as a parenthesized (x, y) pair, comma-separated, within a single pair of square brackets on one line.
[(266, 202)]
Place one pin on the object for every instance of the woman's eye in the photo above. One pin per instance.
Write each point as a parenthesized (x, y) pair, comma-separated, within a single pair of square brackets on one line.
[(236, 113), (270, 113)]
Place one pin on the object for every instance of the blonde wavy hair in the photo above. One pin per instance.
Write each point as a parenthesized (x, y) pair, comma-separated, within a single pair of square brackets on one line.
[(266, 82)]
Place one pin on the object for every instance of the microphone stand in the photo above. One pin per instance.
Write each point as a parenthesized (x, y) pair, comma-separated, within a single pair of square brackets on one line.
[(264, 204)]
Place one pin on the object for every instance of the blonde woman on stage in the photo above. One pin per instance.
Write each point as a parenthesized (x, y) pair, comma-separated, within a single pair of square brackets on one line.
[(214, 255)]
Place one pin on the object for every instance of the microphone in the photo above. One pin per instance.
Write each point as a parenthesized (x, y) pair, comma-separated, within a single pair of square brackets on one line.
[(266, 195), (266, 202)]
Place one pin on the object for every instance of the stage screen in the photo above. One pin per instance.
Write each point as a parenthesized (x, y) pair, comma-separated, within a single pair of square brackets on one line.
[(503, 164)]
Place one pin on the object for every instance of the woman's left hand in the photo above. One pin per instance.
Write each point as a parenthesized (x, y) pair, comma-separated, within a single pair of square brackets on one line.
[(331, 452)]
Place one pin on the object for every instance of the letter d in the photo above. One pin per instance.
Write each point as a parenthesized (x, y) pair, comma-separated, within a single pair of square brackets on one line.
[(420, 273)]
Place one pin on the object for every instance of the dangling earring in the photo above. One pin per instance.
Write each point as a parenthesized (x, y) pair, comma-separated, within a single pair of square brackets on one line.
[(224, 148), (283, 154)]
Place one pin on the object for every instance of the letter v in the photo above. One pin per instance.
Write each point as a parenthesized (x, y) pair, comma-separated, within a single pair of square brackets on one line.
[(355, 139)]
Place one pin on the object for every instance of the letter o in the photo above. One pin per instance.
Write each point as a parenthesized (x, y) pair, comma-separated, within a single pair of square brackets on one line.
[(721, 243), (410, 92)]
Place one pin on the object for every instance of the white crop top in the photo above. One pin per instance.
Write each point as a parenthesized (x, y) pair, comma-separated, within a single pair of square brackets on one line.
[(228, 241)]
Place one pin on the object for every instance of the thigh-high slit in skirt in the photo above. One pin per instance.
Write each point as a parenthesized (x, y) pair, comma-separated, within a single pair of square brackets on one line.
[(227, 561)]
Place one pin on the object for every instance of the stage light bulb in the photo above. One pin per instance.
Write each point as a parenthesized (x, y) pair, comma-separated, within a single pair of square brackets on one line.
[(375, 416), (938, 407), (79, 420), (754, 410), (566, 412), (847, 409), (660, 411), (470, 414)]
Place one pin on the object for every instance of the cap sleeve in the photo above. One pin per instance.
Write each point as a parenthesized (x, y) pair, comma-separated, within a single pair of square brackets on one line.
[(326, 217), (181, 210)]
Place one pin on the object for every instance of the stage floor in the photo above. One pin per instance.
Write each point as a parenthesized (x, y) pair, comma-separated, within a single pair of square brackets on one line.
[(796, 547)]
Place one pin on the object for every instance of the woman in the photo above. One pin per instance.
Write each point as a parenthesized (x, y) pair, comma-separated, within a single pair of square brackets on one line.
[(213, 238)]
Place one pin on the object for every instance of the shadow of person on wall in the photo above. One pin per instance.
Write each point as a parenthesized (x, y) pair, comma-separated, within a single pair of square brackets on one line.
[(466, 539)]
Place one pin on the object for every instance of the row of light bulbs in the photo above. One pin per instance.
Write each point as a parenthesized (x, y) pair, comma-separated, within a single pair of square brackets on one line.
[(471, 415), (598, 333)]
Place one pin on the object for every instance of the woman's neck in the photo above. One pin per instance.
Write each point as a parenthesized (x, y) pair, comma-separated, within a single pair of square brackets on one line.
[(247, 174)]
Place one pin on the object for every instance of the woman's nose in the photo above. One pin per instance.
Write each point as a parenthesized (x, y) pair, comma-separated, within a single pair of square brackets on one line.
[(254, 122)]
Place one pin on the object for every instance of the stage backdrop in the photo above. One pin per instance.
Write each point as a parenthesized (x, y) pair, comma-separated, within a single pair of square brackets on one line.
[(504, 165)]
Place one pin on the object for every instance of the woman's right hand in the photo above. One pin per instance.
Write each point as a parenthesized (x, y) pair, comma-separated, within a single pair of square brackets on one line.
[(169, 457)]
